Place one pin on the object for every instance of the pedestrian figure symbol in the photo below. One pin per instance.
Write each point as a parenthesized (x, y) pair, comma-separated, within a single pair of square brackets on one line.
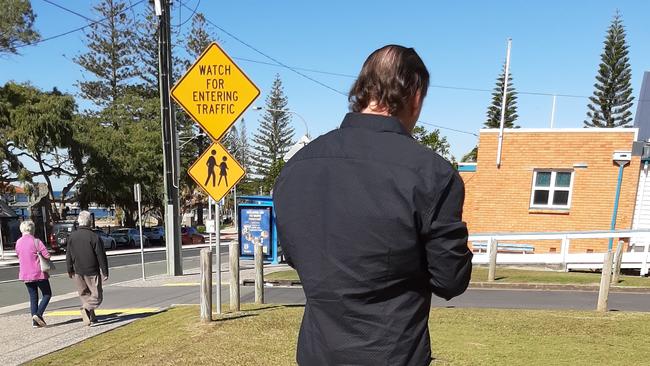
[(213, 167), (211, 163), (223, 167)]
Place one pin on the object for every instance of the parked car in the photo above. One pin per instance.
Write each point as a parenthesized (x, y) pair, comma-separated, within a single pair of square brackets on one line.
[(108, 241), (155, 234), (190, 235), (58, 238), (129, 237)]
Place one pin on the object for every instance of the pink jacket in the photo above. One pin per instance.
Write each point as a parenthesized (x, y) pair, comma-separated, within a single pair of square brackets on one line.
[(30, 267)]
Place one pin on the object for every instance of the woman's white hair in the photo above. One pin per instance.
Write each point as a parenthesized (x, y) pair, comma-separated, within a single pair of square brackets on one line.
[(84, 219), (27, 227)]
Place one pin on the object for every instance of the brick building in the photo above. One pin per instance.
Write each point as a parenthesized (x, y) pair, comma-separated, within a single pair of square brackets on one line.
[(551, 180)]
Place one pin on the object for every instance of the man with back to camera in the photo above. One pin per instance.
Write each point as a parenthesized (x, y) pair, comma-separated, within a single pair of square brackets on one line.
[(372, 222), (88, 266)]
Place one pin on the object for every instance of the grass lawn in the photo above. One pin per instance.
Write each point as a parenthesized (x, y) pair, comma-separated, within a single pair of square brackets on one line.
[(266, 336), (511, 275)]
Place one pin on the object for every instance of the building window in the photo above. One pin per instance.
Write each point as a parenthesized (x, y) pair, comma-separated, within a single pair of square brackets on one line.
[(551, 189)]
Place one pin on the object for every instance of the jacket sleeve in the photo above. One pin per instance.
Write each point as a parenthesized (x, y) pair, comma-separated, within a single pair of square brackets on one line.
[(101, 255), (449, 260), (43, 249), (68, 256)]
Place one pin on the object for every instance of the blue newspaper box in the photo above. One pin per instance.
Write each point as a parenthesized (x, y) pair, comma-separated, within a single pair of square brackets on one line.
[(256, 221)]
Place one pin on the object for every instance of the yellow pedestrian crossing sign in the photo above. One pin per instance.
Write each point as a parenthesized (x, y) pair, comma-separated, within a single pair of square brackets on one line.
[(216, 171), (215, 91)]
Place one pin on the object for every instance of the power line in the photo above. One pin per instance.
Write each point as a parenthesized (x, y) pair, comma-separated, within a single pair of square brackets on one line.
[(280, 64), (276, 62), (272, 58), (448, 128), (296, 67), (70, 31), (435, 86), (68, 10), (188, 18)]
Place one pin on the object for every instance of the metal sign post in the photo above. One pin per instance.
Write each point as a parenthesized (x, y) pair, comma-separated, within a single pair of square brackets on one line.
[(234, 206), (138, 198), (217, 226)]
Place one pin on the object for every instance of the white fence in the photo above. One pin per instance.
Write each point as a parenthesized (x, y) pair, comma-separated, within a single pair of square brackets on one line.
[(633, 258)]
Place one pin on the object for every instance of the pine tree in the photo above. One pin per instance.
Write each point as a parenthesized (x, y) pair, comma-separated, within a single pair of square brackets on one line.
[(147, 49), (274, 135), (612, 100), (111, 56), (494, 110), (231, 140), (243, 153), (16, 25), (199, 37)]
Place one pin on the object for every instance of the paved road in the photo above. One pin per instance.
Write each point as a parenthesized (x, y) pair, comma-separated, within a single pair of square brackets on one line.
[(127, 267), (122, 268), (118, 297), (10, 273)]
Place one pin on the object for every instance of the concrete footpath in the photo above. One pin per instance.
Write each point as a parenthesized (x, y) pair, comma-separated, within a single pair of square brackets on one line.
[(123, 303)]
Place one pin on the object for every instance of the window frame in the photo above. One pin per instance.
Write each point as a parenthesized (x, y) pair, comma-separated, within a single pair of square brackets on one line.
[(551, 189)]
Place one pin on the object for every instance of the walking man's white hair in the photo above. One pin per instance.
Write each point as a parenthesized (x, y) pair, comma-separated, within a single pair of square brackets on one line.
[(84, 219)]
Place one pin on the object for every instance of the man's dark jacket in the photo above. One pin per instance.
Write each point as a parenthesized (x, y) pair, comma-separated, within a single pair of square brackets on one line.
[(85, 253), (371, 220)]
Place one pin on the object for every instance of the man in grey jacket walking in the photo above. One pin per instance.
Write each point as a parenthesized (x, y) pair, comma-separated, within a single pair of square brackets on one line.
[(88, 266)]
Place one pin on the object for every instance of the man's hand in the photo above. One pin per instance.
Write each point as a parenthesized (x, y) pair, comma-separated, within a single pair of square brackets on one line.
[(70, 274), (104, 278)]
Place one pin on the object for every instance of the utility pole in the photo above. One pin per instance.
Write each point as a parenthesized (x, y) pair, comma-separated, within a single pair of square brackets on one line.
[(170, 142)]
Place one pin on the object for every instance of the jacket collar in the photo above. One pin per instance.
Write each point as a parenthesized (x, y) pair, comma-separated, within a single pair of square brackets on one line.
[(374, 122)]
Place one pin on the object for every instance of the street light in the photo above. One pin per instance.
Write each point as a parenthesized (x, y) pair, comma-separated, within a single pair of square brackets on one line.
[(287, 111), (200, 134)]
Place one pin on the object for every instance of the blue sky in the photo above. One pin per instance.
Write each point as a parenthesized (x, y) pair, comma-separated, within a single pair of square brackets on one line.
[(556, 49)]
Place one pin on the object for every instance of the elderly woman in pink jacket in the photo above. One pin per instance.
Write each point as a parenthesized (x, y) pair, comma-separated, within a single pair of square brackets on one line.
[(30, 271)]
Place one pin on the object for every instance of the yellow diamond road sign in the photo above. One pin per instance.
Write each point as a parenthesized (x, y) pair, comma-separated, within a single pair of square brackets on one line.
[(215, 91), (216, 171)]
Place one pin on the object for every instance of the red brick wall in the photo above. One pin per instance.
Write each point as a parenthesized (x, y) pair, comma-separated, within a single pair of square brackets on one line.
[(498, 200)]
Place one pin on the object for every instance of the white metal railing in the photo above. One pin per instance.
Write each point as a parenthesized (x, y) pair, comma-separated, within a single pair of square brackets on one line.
[(630, 259)]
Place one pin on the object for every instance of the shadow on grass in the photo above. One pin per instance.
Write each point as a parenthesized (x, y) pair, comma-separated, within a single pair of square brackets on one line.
[(232, 316), (107, 319), (253, 312), (119, 317)]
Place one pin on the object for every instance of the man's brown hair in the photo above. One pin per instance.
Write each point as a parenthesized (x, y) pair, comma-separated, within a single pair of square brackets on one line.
[(391, 76)]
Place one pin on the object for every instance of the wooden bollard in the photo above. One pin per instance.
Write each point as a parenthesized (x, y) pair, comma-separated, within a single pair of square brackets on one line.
[(259, 274), (206, 285), (234, 276), (617, 263), (605, 279), (493, 260)]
